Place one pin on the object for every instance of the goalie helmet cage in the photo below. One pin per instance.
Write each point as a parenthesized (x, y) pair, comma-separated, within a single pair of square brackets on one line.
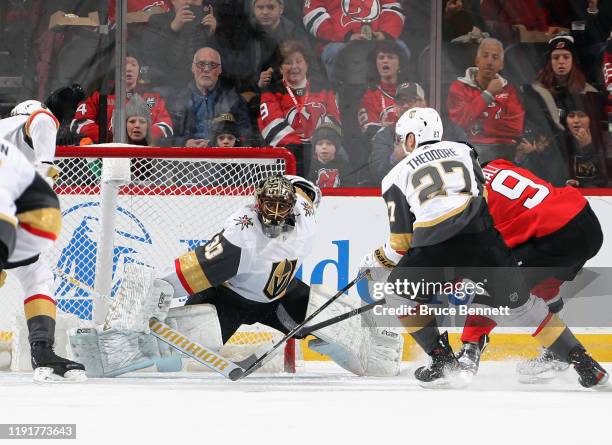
[(120, 205)]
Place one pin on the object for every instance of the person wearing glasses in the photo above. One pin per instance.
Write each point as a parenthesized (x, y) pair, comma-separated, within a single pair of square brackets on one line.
[(194, 107), (170, 40)]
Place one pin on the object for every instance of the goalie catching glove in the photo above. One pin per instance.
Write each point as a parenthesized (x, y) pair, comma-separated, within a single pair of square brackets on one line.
[(356, 344)]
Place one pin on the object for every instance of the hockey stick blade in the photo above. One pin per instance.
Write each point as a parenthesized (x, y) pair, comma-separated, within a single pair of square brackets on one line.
[(200, 353), (306, 330), (258, 363)]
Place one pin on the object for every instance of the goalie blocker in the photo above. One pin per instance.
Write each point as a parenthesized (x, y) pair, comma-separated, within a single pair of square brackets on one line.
[(245, 275)]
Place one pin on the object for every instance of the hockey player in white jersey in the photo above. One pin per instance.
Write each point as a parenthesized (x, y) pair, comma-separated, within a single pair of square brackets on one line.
[(439, 219), (33, 128), (30, 221), (246, 274)]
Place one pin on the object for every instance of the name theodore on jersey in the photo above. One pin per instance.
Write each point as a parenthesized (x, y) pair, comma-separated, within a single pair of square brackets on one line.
[(429, 155)]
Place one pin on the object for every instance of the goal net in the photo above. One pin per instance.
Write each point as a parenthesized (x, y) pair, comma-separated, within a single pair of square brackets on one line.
[(122, 206)]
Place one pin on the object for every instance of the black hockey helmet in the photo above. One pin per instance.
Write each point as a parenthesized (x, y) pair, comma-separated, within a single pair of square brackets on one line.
[(275, 201)]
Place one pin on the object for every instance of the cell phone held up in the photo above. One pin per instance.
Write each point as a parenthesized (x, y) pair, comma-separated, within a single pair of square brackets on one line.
[(207, 8)]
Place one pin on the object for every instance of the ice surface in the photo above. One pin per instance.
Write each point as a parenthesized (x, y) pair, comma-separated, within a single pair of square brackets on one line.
[(320, 405)]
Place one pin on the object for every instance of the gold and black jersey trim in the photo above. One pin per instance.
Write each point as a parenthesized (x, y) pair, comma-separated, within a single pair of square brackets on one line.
[(303, 194), (209, 265), (445, 216), (44, 223), (400, 242)]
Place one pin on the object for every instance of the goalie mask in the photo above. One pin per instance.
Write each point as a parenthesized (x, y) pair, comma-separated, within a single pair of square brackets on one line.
[(27, 108), (276, 200)]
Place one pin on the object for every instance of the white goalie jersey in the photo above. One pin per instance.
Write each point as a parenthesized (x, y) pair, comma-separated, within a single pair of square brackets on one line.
[(433, 194), (254, 266)]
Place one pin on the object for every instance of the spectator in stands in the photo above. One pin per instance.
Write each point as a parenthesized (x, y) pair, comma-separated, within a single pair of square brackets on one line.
[(461, 24), (561, 79), (607, 74), (385, 152), (249, 54), (378, 107), (138, 124), (225, 132), (171, 39), (194, 107), (585, 148), (486, 106), (334, 23), (546, 102), (292, 108), (269, 15), (501, 16), (93, 120), (329, 160)]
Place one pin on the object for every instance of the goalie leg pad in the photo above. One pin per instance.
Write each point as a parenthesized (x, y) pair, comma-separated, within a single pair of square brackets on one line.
[(111, 353), (355, 344), (199, 323)]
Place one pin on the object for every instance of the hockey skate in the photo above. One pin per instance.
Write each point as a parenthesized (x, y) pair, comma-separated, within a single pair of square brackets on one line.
[(444, 370), (49, 367), (469, 356), (541, 369), (591, 374)]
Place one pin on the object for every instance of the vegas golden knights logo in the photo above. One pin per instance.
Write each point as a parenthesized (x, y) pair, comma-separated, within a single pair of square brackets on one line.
[(279, 279)]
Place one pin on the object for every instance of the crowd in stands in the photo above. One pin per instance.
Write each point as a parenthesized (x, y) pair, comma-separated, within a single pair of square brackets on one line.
[(529, 81)]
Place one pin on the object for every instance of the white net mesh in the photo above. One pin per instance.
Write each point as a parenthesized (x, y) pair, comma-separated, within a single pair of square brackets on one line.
[(170, 206)]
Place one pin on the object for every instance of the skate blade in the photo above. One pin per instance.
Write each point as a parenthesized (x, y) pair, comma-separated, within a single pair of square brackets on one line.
[(455, 380), (46, 375), (543, 377)]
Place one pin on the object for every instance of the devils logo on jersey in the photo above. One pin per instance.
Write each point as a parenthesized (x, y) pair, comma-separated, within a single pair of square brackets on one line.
[(328, 178), (360, 11)]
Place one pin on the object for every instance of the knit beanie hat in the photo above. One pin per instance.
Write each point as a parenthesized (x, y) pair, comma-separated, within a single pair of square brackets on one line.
[(562, 41), (333, 133), (137, 106), (225, 124)]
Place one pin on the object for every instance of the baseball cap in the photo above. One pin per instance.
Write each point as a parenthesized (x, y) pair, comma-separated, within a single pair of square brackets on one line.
[(410, 89)]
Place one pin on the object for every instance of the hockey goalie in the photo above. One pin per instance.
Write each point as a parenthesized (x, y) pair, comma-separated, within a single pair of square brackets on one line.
[(244, 275)]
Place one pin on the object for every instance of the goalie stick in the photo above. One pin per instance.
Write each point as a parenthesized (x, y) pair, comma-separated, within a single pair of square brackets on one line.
[(306, 330), (259, 362)]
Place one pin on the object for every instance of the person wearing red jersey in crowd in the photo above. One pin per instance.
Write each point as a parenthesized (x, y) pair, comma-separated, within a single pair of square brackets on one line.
[(330, 160), (486, 106), (607, 72), (334, 23), (552, 232), (88, 115), (293, 108), (378, 108), (137, 6)]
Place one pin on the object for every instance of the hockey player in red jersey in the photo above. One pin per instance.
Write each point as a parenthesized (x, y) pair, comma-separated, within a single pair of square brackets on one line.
[(552, 232)]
